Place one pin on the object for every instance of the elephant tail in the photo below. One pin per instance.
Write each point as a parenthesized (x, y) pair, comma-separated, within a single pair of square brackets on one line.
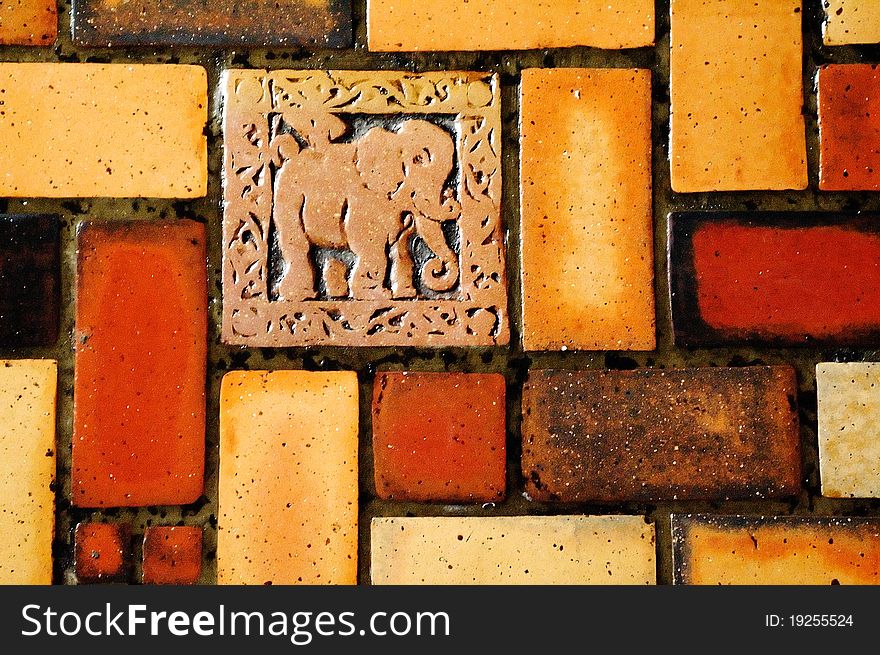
[(440, 273)]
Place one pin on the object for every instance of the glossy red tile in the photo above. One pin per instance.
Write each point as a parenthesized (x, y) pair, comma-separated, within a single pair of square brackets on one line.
[(172, 555), (102, 552)]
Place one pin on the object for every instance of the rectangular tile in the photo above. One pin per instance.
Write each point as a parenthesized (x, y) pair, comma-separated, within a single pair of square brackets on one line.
[(412, 25), (849, 412), (233, 23), (851, 21), (172, 554), (288, 478), (777, 278), (30, 280), (452, 449), (28, 22), (141, 353), (776, 550), (737, 97), (849, 127), (102, 552), (103, 130), (587, 229), (404, 248), (694, 434), (27, 470), (519, 550)]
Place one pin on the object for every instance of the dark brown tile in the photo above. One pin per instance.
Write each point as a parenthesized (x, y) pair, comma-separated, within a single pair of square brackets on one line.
[(29, 280), (695, 434), (315, 23), (102, 552)]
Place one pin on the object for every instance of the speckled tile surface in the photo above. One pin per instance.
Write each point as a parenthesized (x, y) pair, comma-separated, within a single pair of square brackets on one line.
[(851, 21), (172, 555), (28, 22), (102, 553)]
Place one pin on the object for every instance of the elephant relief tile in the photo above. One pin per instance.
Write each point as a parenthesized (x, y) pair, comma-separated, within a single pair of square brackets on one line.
[(363, 209)]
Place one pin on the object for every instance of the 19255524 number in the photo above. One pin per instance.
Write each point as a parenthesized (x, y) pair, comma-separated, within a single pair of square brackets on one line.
[(809, 621)]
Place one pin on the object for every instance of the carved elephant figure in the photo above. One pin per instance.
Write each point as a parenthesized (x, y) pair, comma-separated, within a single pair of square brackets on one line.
[(368, 196)]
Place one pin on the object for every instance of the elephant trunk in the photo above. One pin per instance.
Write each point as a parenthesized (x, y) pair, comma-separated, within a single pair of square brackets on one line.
[(440, 273)]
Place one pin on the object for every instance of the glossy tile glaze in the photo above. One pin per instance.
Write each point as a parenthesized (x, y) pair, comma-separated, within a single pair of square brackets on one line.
[(412, 25), (28, 22), (518, 550), (737, 97), (787, 550), (172, 555), (27, 470), (452, 448), (124, 131), (778, 278), (849, 411), (587, 230), (849, 127), (141, 342), (622, 436), (405, 248), (102, 552), (851, 21), (235, 23), (30, 280), (297, 433)]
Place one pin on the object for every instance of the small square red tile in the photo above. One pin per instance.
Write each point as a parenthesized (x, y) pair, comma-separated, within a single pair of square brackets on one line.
[(102, 552), (439, 436), (172, 555)]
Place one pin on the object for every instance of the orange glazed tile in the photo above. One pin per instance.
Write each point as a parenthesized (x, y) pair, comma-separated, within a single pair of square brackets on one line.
[(103, 130), (27, 470), (172, 555), (141, 349), (28, 22), (451, 448), (849, 127), (781, 550), (102, 552), (288, 478), (851, 21), (412, 25), (587, 235), (737, 95)]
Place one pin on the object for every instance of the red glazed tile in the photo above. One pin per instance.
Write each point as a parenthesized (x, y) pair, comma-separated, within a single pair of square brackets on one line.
[(849, 127), (791, 279), (102, 552), (439, 436), (141, 347), (698, 434), (28, 22), (172, 555)]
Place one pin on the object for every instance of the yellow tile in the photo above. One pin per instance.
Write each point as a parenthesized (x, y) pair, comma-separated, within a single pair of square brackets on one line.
[(27, 470), (103, 130), (513, 550), (413, 25), (851, 21), (737, 95), (288, 478), (849, 412), (587, 234), (28, 22)]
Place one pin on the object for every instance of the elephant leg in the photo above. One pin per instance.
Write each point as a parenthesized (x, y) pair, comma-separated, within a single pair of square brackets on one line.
[(370, 266), (402, 264), (298, 280)]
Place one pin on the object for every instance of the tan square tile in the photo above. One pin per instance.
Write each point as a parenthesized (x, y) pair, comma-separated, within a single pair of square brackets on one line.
[(851, 21)]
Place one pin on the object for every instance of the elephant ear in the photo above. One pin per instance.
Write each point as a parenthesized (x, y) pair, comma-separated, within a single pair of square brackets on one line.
[(380, 161)]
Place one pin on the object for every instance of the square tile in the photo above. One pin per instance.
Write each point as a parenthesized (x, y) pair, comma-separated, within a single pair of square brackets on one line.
[(141, 357), (27, 470), (231, 23), (295, 432), (412, 25), (737, 98), (172, 555), (646, 435), (103, 130), (30, 280), (452, 449), (775, 550), (849, 127), (515, 550), (102, 552), (415, 164), (28, 22), (849, 412), (851, 21), (587, 212)]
